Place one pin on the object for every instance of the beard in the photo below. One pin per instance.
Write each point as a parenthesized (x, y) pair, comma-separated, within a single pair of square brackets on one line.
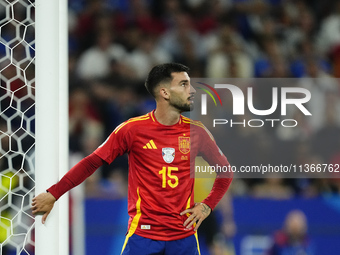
[(182, 106)]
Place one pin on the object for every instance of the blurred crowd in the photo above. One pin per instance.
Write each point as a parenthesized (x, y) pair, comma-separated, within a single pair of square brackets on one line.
[(114, 44)]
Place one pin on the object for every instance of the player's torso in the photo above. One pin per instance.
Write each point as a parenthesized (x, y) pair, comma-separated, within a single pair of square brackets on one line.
[(156, 147), (159, 169)]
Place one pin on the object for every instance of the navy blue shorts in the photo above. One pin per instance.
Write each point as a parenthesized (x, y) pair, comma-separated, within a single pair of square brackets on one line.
[(143, 246)]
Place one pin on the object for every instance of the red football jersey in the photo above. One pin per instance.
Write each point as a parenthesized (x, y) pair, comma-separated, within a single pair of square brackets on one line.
[(160, 186)]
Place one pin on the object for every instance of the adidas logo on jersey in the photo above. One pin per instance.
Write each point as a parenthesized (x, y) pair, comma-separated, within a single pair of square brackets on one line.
[(150, 145)]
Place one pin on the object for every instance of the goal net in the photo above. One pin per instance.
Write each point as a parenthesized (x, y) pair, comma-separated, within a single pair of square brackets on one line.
[(17, 126)]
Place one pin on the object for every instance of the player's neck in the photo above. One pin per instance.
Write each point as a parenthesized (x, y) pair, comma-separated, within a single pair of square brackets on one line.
[(166, 115)]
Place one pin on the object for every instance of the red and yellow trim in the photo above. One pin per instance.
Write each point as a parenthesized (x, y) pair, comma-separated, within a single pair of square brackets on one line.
[(144, 117), (198, 245), (199, 124), (188, 205), (152, 117), (135, 220)]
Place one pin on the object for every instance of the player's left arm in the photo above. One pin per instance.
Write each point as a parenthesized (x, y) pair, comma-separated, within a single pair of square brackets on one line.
[(198, 213), (214, 156)]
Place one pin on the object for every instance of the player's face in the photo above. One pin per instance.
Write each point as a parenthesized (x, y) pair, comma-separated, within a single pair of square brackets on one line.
[(181, 92)]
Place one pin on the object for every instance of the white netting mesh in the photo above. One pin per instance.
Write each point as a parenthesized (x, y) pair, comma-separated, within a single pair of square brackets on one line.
[(16, 126)]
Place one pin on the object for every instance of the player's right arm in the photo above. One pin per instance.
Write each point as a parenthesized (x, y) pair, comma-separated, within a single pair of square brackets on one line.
[(113, 147), (44, 202)]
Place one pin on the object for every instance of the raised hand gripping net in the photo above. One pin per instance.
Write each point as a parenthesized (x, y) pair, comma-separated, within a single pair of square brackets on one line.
[(16, 126)]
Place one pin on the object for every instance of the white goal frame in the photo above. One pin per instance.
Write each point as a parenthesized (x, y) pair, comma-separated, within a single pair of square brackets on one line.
[(51, 121)]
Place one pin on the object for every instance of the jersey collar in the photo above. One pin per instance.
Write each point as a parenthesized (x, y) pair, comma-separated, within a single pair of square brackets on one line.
[(152, 115)]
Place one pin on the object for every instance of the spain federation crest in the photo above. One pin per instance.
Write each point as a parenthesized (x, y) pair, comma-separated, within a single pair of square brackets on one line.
[(184, 144), (168, 154)]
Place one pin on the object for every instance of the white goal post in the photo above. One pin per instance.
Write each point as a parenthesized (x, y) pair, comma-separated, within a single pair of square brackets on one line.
[(52, 120), (33, 123)]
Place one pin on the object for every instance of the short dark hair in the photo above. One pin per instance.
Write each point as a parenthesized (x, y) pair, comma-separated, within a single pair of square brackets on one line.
[(162, 73)]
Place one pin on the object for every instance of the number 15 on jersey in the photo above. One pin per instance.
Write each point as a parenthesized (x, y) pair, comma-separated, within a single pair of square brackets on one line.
[(172, 180)]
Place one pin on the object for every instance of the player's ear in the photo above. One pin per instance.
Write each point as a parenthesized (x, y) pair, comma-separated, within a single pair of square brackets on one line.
[(164, 93)]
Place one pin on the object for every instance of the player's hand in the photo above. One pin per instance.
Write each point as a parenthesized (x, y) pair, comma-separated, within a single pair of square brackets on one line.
[(199, 212), (43, 204)]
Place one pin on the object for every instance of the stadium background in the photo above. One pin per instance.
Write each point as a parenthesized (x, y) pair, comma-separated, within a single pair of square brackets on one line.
[(114, 43)]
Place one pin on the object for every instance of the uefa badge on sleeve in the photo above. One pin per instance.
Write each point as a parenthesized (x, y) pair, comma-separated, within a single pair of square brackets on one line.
[(168, 154)]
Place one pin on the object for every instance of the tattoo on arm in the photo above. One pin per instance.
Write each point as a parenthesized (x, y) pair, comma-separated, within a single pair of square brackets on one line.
[(205, 210)]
